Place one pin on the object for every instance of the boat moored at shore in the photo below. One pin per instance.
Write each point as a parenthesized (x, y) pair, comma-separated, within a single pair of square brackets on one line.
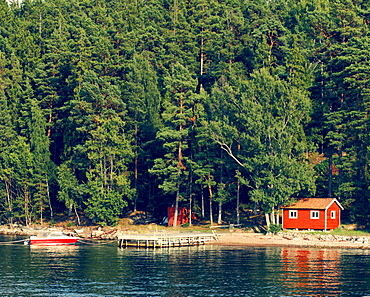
[(51, 238)]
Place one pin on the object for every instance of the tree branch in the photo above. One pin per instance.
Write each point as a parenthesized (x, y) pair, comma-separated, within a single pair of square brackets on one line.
[(226, 148)]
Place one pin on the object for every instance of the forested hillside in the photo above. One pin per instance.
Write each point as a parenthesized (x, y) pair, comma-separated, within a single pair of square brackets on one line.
[(220, 105)]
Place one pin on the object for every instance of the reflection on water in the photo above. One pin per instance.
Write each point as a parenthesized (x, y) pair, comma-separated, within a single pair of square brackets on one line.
[(311, 271), (87, 270), (54, 251)]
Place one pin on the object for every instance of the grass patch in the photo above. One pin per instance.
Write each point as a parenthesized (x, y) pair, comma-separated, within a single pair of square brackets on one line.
[(342, 231)]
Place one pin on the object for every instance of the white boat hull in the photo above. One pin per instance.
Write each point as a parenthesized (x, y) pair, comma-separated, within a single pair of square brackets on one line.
[(52, 238)]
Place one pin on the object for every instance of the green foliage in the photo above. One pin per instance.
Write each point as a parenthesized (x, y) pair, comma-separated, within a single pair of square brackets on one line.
[(119, 105), (274, 228), (268, 125), (68, 187)]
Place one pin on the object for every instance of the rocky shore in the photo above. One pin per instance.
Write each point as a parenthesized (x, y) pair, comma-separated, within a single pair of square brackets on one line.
[(84, 232), (294, 239), (282, 239)]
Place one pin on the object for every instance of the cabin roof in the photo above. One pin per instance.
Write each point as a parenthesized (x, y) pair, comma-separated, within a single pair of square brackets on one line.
[(313, 203)]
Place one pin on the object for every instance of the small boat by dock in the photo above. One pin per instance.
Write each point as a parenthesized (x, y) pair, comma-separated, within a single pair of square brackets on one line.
[(51, 238)]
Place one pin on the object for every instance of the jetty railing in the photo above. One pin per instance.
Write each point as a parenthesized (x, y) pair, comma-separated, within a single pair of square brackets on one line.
[(165, 240)]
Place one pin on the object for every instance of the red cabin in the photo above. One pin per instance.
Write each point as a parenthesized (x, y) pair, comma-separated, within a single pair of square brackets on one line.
[(312, 213), (182, 216)]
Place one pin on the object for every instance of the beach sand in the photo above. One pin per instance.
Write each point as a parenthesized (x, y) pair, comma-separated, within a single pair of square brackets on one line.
[(291, 240)]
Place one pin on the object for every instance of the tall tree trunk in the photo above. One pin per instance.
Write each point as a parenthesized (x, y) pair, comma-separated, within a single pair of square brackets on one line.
[(203, 214), (330, 176), (267, 216), (340, 153), (237, 203), (26, 206), (219, 219), (190, 211), (179, 167), (190, 199), (136, 171), (210, 204), (41, 204), (77, 216), (49, 199), (176, 205), (277, 220), (9, 201), (272, 215), (201, 59), (202, 48)]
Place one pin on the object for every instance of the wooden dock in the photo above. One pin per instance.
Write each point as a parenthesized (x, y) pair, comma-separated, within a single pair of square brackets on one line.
[(165, 240)]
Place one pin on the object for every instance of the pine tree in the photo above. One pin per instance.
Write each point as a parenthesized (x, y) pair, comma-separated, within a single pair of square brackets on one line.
[(177, 119), (143, 102), (105, 148), (7, 143), (267, 125), (341, 94)]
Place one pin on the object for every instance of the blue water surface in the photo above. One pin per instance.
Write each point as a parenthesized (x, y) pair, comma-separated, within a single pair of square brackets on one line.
[(106, 270)]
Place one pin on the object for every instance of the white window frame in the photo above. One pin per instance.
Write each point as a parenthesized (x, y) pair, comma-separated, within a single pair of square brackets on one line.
[(333, 214), (293, 214), (315, 214)]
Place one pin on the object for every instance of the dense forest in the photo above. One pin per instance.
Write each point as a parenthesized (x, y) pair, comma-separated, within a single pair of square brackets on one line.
[(222, 106)]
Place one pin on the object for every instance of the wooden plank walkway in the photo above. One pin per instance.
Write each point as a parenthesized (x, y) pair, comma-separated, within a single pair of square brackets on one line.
[(165, 240)]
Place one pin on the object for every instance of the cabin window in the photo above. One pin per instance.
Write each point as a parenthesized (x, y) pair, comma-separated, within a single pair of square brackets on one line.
[(332, 214), (293, 214), (314, 214)]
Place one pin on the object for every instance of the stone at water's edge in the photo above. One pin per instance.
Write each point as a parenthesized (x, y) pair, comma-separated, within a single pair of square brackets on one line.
[(87, 232), (325, 237)]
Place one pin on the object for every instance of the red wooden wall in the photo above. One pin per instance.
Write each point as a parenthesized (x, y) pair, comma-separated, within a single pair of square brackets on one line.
[(304, 221), (333, 223), (182, 216)]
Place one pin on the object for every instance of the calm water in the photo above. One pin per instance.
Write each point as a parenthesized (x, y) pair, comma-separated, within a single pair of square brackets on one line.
[(106, 270)]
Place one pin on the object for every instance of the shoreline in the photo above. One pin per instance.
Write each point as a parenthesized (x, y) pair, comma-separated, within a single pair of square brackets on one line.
[(293, 239), (236, 238)]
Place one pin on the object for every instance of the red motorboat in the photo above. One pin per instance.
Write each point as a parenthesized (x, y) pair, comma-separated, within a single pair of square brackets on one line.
[(51, 238)]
